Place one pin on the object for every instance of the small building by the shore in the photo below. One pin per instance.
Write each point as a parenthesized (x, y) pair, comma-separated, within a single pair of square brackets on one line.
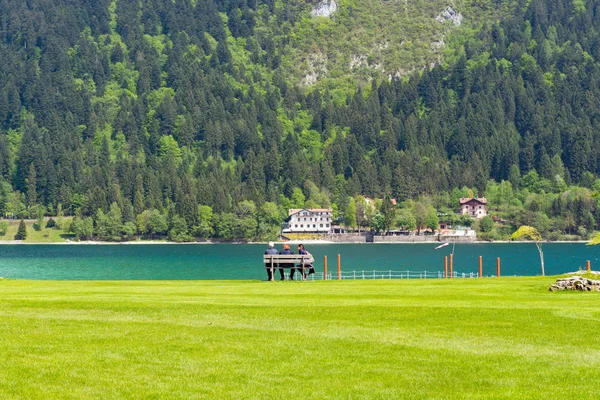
[(308, 220), (474, 207)]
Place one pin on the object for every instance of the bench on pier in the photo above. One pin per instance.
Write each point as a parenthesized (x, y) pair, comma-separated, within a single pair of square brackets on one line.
[(273, 261)]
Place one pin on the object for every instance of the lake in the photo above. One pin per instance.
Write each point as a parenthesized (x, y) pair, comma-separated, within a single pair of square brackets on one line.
[(244, 261)]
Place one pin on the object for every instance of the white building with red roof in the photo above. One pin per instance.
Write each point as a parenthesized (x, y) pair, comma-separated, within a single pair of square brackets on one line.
[(473, 206), (302, 220)]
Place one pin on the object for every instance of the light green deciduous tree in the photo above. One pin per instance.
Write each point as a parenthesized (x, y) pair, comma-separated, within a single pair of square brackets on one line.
[(531, 233)]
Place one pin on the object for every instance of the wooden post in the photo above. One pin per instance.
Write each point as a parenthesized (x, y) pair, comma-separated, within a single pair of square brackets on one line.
[(588, 267), (498, 267), (445, 266), (451, 265), (339, 268), (480, 266), (324, 268), (303, 269), (272, 270)]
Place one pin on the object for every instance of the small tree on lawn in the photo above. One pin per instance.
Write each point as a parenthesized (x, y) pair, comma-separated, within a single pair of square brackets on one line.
[(22, 231), (39, 212), (531, 233), (3, 228)]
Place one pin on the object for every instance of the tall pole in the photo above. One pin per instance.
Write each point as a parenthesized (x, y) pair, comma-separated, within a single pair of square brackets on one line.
[(445, 266), (325, 268), (498, 267), (480, 266), (339, 268), (588, 266), (451, 265)]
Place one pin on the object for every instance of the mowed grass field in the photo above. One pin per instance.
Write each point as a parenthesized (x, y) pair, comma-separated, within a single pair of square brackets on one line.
[(435, 339)]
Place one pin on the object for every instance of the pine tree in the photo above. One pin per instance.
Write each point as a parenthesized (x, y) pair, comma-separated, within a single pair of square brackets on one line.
[(21, 231), (31, 186)]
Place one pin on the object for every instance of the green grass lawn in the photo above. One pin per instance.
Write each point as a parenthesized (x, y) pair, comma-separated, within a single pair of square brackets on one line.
[(471, 338)]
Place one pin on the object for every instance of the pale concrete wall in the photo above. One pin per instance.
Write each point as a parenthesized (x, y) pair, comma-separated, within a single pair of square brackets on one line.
[(344, 238), (423, 239)]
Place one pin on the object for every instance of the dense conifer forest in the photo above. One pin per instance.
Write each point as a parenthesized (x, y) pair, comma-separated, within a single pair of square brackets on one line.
[(183, 118)]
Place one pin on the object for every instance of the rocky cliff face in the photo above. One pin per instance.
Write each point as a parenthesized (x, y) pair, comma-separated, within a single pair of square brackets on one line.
[(370, 39), (324, 9), (450, 14)]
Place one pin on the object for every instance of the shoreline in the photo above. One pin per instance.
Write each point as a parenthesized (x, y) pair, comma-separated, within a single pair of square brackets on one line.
[(311, 242)]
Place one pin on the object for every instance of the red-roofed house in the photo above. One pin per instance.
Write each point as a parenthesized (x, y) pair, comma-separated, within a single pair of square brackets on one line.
[(473, 206)]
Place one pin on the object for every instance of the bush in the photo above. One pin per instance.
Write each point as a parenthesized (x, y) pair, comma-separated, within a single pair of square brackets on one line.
[(486, 224), (51, 223), (491, 235), (3, 228)]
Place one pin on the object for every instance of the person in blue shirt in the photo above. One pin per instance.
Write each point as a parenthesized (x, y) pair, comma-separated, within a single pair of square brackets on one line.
[(272, 250)]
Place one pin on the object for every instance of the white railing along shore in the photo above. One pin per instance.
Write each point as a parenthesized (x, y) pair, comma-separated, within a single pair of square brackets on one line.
[(386, 274)]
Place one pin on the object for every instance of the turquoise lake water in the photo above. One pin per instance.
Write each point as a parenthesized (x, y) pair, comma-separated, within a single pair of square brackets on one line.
[(240, 261)]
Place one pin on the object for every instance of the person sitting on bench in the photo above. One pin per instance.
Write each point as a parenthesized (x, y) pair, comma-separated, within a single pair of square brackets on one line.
[(287, 250), (272, 250), (310, 267)]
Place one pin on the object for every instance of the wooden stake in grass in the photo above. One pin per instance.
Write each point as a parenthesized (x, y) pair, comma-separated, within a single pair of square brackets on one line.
[(445, 266), (498, 267), (531, 233)]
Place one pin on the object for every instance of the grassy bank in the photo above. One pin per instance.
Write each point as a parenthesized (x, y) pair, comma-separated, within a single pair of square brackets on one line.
[(488, 338), (43, 235)]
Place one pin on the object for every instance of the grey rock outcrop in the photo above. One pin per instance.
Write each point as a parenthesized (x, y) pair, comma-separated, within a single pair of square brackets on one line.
[(316, 64), (324, 9), (576, 283), (450, 14)]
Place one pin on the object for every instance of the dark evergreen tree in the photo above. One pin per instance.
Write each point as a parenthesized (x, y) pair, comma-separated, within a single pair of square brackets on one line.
[(21, 231)]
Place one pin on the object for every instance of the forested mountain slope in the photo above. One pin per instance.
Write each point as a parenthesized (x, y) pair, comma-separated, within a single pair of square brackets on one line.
[(165, 107)]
